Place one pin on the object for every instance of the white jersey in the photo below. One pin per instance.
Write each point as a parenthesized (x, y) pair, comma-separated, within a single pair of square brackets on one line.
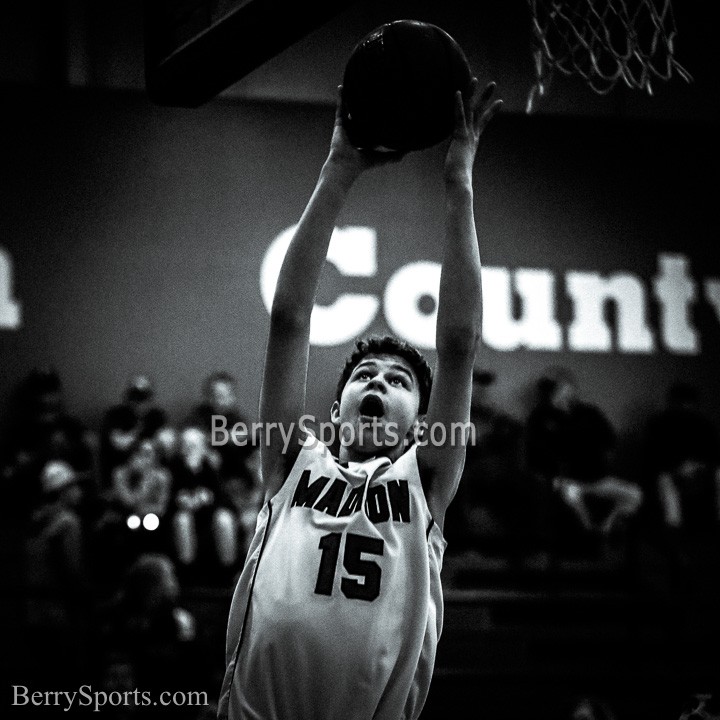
[(338, 610)]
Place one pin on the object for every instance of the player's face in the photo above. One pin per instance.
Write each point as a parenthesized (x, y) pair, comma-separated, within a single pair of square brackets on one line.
[(379, 404)]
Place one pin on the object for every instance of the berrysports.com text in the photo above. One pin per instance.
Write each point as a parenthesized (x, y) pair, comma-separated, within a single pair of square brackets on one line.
[(96, 700), (437, 434)]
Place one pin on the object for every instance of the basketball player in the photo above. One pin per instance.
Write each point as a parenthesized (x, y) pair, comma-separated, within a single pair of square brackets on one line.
[(337, 612)]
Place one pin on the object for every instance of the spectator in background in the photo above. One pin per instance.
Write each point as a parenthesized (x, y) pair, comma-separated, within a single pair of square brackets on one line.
[(684, 455), (684, 450), (220, 399), (701, 706), (133, 515), (142, 485), (117, 675), (166, 442), (127, 424), (490, 509), (570, 444), (44, 431), (147, 628), (239, 463), (58, 587), (588, 708), (205, 524)]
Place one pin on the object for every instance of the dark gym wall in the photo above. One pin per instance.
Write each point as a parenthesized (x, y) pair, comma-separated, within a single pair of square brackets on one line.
[(136, 235)]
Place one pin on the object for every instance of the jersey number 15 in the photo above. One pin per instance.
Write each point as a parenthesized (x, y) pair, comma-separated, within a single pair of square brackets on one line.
[(369, 570)]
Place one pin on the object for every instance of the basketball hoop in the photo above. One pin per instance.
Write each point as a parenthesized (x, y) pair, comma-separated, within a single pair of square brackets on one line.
[(603, 41)]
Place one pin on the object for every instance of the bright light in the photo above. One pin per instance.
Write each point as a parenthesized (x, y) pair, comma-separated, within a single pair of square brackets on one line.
[(151, 521), (133, 522)]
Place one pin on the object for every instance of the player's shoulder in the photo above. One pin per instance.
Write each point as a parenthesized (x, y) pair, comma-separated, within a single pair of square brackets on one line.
[(309, 451), (408, 459), (310, 446)]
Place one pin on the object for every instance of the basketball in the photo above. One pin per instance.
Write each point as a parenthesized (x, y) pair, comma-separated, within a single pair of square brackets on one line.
[(399, 87)]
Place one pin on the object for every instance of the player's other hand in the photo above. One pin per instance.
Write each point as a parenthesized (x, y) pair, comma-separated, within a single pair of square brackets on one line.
[(472, 114), (345, 154)]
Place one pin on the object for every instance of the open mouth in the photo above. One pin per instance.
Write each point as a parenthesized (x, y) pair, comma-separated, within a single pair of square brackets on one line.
[(372, 406)]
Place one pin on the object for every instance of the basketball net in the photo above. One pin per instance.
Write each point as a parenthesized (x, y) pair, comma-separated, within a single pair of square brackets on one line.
[(603, 41)]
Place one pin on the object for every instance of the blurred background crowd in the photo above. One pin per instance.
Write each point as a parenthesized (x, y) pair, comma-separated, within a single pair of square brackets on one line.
[(113, 523), (113, 529)]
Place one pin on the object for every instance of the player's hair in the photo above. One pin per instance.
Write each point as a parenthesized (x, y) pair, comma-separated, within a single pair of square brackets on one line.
[(389, 345)]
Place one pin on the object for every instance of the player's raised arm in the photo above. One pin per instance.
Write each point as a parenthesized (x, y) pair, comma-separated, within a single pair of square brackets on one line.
[(459, 308), (282, 398)]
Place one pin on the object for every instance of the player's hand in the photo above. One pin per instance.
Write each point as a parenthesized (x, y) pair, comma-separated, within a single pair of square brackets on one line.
[(344, 154), (472, 114)]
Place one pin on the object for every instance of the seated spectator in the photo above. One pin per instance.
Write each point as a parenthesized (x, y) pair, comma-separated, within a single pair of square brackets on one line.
[(684, 452), (117, 675), (570, 444), (43, 431), (247, 499), (132, 515), (151, 632), (239, 468), (127, 424), (490, 507), (58, 588), (141, 485), (588, 708), (166, 441), (684, 455), (702, 706), (205, 524), (220, 399)]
